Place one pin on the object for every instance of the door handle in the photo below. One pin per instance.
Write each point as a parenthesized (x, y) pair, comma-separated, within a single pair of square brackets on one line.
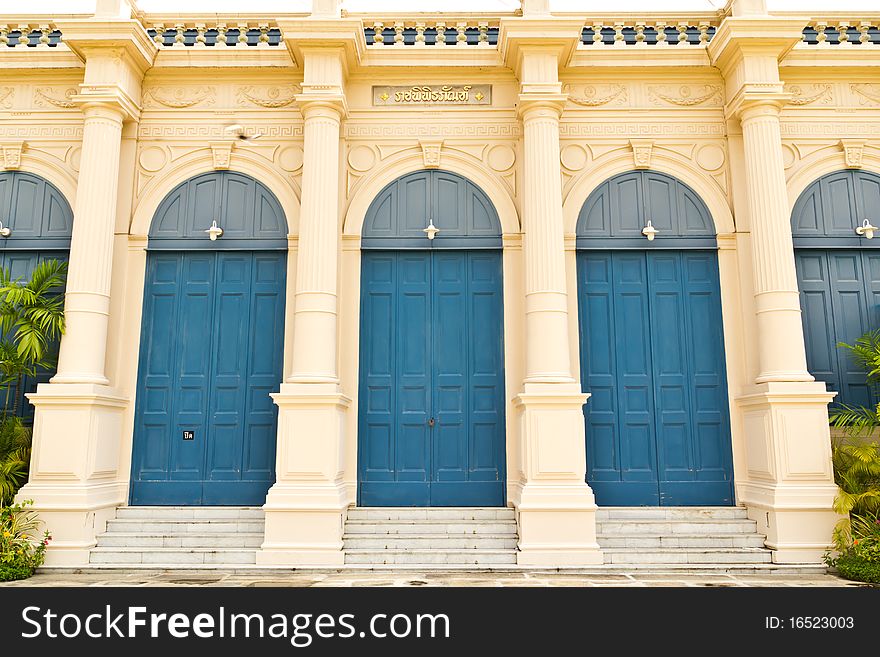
[(431, 422)]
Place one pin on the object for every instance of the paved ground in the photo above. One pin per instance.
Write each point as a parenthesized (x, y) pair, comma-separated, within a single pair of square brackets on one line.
[(421, 578)]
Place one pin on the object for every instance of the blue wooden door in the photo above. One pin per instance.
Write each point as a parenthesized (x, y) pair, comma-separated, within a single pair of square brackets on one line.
[(652, 357), (431, 394), (211, 352), (838, 276), (840, 300)]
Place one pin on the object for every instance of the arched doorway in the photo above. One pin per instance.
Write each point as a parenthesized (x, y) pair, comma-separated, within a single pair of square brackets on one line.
[(838, 276), (211, 345), (40, 221), (651, 346), (431, 389)]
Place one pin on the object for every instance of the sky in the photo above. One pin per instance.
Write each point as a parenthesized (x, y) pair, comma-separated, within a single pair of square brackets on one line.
[(414, 6)]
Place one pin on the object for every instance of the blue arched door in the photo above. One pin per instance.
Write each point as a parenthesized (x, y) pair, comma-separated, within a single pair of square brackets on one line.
[(651, 346), (431, 392), (212, 343), (838, 276), (41, 221)]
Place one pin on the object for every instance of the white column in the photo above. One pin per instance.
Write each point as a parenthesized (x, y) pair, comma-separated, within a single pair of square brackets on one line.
[(780, 334), (556, 508), (74, 478), (87, 298), (788, 486), (314, 359), (305, 508)]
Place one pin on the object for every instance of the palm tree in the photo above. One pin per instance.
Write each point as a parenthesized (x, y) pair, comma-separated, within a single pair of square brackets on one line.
[(31, 321)]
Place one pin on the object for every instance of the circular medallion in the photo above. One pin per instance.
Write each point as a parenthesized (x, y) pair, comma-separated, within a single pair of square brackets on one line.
[(573, 157), (361, 158), (74, 158), (710, 157), (291, 158), (501, 157), (789, 155), (152, 158)]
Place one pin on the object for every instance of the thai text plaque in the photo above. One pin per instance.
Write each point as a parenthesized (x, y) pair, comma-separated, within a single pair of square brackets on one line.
[(434, 94)]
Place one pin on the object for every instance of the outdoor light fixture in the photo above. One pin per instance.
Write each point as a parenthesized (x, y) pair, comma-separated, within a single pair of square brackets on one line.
[(4, 230), (214, 231), (649, 231), (431, 230), (866, 230)]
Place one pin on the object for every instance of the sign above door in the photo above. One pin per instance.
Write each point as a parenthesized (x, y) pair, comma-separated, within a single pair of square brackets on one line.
[(447, 94)]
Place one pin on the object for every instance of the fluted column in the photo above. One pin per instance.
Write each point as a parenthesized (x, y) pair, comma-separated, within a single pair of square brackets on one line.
[(547, 351), (87, 299), (314, 343), (781, 351)]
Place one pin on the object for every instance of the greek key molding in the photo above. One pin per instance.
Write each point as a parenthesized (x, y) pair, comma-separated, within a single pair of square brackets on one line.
[(32, 132), (7, 95), (627, 130), (829, 129), (868, 91), (590, 95), (45, 96), (407, 130), (271, 96), (799, 97), (179, 97), (217, 132), (688, 95)]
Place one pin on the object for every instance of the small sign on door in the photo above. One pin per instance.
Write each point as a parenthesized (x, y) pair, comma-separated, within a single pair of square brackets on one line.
[(188, 435)]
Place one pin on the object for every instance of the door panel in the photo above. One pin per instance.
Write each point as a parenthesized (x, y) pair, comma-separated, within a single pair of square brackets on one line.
[(211, 351), (431, 349), (652, 358), (840, 298)]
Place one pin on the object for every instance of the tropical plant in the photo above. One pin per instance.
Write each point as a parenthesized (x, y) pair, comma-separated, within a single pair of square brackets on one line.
[(15, 453), (20, 552), (31, 321)]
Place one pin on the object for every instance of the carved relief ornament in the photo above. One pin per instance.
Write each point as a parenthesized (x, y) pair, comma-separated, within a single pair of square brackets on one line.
[(687, 95), (45, 96), (178, 97), (11, 155), (821, 93), (6, 96), (270, 97), (590, 96)]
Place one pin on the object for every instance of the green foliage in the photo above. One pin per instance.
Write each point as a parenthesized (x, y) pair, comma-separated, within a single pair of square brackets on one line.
[(20, 552), (32, 312), (15, 454), (857, 569)]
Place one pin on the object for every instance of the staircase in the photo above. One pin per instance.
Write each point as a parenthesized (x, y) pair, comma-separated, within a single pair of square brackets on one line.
[(179, 536), (483, 537), (680, 536)]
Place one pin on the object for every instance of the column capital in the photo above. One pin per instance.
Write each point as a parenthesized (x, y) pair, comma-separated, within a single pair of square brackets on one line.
[(331, 105), (122, 38), (109, 100), (748, 104), (547, 103)]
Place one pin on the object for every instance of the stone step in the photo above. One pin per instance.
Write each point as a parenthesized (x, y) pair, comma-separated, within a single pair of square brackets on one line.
[(641, 541), (190, 512), (139, 555), (438, 527), (185, 526), (178, 540), (428, 557), (671, 513), (699, 556), (431, 513), (428, 541), (675, 527), (618, 556)]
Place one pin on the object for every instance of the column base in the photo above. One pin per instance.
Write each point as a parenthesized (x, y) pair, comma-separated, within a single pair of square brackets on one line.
[(305, 509), (789, 484), (74, 479), (556, 509)]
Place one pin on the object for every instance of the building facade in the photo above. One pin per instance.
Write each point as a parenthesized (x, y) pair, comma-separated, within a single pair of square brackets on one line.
[(546, 261)]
